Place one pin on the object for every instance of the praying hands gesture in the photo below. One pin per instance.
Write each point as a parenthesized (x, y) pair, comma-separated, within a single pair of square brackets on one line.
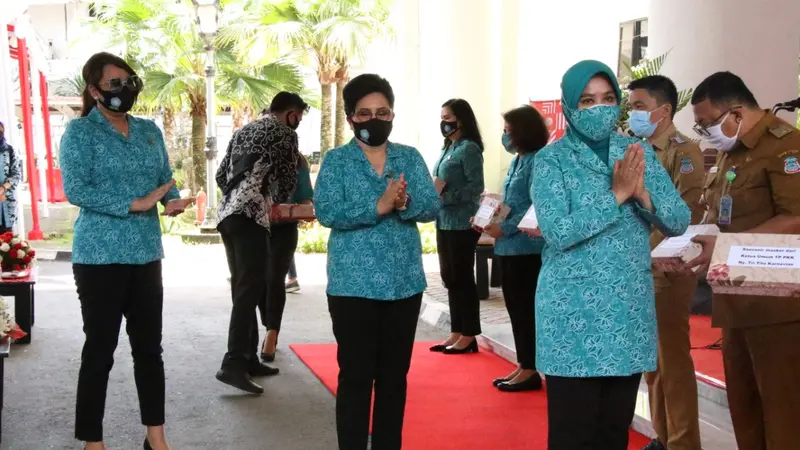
[(402, 196), (391, 196), (628, 179)]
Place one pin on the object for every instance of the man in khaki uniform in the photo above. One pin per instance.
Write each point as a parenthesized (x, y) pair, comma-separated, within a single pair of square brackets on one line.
[(754, 188), (673, 386)]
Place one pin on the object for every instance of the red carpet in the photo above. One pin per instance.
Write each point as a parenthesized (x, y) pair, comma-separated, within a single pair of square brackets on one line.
[(707, 363), (452, 404)]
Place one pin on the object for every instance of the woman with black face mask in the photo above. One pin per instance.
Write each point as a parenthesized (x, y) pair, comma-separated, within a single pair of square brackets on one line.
[(458, 175), (116, 169), (372, 193)]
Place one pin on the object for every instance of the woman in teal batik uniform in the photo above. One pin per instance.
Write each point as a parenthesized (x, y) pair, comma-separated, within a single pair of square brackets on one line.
[(520, 255), (459, 179), (116, 169), (597, 194), (372, 193)]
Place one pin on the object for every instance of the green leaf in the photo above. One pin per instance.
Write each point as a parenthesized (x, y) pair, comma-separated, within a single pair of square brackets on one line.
[(684, 97)]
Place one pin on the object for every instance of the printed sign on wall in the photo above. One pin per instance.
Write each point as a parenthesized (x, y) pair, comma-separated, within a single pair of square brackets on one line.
[(553, 116)]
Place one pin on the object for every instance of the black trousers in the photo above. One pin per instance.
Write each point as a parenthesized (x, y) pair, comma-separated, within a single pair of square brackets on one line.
[(376, 339), (519, 274), (292, 269), (590, 413), (457, 265), (107, 293), (282, 245), (247, 248)]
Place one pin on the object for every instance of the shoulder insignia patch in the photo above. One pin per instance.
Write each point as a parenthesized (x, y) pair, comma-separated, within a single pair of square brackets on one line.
[(677, 139), (686, 166), (714, 169), (791, 165), (781, 130)]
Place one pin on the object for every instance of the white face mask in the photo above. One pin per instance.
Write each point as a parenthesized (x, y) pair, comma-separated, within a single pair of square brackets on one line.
[(718, 139)]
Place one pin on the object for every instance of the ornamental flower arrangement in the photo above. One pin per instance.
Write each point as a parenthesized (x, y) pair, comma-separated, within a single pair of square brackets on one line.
[(8, 328), (15, 253)]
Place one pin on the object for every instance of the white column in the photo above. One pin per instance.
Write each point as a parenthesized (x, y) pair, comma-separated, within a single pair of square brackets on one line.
[(461, 56), (758, 40)]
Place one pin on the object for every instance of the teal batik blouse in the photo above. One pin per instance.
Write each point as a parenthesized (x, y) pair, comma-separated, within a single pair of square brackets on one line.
[(372, 256), (104, 172), (461, 168), (517, 196)]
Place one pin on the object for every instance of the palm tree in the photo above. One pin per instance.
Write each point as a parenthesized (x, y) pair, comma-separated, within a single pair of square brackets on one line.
[(327, 32), (247, 90), (352, 27), (161, 41)]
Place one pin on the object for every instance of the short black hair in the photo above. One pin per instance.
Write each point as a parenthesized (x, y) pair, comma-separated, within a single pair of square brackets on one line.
[(660, 88), (724, 89), (284, 101), (469, 124), (529, 131), (363, 85)]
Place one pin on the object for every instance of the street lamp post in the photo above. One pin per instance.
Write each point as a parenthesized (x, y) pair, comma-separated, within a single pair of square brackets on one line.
[(207, 12)]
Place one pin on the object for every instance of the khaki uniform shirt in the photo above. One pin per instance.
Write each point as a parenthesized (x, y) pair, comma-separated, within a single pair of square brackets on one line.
[(766, 161), (683, 160)]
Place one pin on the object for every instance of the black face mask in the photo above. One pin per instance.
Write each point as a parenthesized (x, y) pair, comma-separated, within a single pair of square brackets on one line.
[(374, 132), (121, 101), (448, 128), (292, 125)]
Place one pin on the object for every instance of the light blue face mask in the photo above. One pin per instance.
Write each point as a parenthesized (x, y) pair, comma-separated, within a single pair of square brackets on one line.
[(639, 123), (507, 144)]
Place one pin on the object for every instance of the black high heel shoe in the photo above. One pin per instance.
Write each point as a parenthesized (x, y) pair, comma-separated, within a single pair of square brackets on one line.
[(268, 357), (472, 347), (146, 445)]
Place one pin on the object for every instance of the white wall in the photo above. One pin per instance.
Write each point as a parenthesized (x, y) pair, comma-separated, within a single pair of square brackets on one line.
[(497, 54), (764, 52), (60, 24)]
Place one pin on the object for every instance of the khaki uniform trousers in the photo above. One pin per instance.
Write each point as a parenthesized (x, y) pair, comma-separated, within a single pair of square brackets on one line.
[(673, 386), (762, 371)]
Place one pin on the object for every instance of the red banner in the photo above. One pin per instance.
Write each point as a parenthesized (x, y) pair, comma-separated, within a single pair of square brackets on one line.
[(553, 116)]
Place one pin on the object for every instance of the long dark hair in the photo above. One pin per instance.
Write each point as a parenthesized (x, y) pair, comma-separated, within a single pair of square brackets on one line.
[(469, 124), (93, 73), (529, 132)]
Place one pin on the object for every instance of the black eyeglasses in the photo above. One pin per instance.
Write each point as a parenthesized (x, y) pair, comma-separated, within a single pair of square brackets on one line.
[(133, 82), (703, 131)]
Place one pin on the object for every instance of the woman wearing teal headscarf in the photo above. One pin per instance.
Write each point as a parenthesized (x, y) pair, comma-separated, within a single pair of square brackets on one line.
[(597, 195), (10, 176)]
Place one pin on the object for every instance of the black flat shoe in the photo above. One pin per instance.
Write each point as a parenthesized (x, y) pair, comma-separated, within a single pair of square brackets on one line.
[(472, 347), (239, 380), (534, 383), (498, 381), (146, 445), (262, 370), (439, 348)]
